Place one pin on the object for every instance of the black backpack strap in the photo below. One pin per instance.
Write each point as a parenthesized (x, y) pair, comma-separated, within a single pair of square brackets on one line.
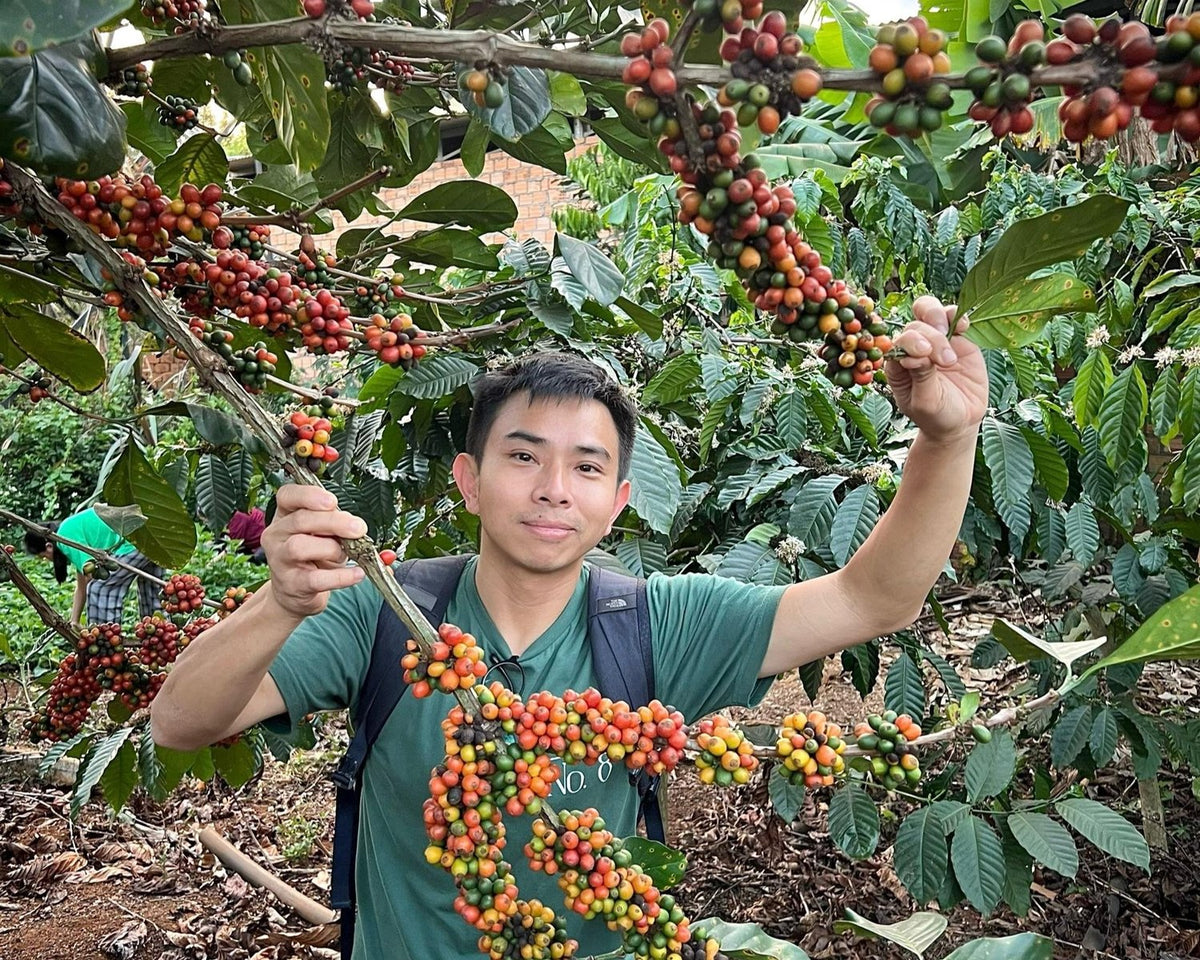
[(623, 658), (430, 584)]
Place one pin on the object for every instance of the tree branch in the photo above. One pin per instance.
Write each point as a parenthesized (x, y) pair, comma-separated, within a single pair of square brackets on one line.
[(50, 617)]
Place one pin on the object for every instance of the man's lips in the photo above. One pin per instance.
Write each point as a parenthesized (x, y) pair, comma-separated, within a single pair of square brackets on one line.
[(549, 528)]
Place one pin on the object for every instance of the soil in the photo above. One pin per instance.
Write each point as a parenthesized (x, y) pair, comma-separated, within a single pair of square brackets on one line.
[(140, 885)]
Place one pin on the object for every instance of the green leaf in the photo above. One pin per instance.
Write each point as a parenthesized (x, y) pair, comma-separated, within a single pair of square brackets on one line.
[(754, 563), (1083, 532), (747, 941), (1122, 414), (124, 520), (1048, 842), (642, 556), (1107, 829), (814, 509), (1189, 405), (473, 151), (479, 205), (916, 934), (1049, 467), (904, 687), (120, 777), (216, 498), (665, 866), (1018, 874), (526, 104), (236, 763), (1070, 735), (649, 322), (169, 535), (625, 143), (30, 25), (1103, 739), (657, 488), (921, 854), (786, 798), (990, 767), (1172, 633), (20, 286), (292, 79), (854, 821), (712, 420), (93, 765), (1007, 455), (861, 661), (855, 519), (673, 380), (145, 133), (54, 117), (1030, 245), (431, 379), (446, 247), (978, 863), (54, 346), (593, 269), (566, 95), (1091, 384), (199, 160), (1014, 315), (1164, 403), (1023, 946), (791, 420), (1025, 646)]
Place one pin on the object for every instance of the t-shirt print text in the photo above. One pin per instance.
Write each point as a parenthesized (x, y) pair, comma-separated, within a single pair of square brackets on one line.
[(573, 778)]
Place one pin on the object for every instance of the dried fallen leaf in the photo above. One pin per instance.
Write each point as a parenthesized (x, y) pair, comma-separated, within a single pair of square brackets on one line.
[(44, 868), (99, 875), (123, 942)]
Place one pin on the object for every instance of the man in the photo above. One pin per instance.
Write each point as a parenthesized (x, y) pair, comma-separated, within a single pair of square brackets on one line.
[(104, 599), (548, 449)]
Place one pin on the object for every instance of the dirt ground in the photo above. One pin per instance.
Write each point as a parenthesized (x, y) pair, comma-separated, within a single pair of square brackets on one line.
[(141, 886)]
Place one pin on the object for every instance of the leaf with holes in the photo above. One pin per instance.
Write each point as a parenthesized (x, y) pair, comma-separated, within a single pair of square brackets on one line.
[(665, 866), (978, 863), (1015, 314), (169, 535), (855, 519), (1107, 829), (990, 766), (904, 687), (1047, 841), (854, 821), (1172, 633), (921, 854)]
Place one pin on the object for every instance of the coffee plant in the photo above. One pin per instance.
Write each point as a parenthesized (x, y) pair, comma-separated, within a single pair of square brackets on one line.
[(768, 200)]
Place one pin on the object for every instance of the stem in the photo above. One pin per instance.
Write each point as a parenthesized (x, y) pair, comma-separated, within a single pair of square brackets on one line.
[(50, 617), (9, 371), (58, 290), (292, 219)]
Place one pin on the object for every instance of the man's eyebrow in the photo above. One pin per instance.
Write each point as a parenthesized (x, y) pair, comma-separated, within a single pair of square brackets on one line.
[(534, 440)]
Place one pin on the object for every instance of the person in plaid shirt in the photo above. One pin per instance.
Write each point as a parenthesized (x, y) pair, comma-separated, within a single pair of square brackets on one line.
[(104, 599)]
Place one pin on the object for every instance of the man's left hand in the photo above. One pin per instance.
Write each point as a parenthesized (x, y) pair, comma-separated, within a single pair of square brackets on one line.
[(942, 385)]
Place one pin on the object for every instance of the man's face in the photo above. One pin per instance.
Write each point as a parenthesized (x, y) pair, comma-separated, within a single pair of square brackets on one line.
[(546, 490)]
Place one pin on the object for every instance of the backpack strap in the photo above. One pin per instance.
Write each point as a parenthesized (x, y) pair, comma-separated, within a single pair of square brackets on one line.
[(623, 658), (430, 584)]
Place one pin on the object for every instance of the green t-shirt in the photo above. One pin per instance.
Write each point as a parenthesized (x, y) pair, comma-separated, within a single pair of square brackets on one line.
[(87, 528), (709, 635)]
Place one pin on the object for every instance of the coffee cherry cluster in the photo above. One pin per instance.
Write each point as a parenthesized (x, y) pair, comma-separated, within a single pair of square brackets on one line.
[(324, 323), (252, 366), (104, 647), (234, 598), (1003, 89), (600, 880), (182, 593), (770, 78), (533, 932), (856, 339), (362, 9), (811, 748), (252, 240), (726, 755), (395, 340), (887, 738), (187, 14), (131, 82), (650, 61), (37, 387), (730, 14), (180, 113), (308, 434), (197, 625), (909, 56), (160, 642), (99, 568), (486, 82), (70, 698), (235, 60), (264, 297), (137, 216), (455, 663)]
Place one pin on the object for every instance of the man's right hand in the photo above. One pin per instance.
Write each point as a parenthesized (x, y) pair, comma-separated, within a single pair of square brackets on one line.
[(302, 549)]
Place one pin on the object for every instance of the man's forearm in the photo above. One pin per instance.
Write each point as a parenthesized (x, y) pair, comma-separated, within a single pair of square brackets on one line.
[(907, 550), (215, 677), (78, 600)]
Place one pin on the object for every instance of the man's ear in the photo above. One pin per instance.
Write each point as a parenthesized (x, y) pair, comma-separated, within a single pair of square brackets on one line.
[(619, 503), (466, 478)]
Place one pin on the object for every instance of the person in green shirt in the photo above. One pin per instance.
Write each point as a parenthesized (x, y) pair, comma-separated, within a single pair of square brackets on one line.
[(105, 598), (545, 470)]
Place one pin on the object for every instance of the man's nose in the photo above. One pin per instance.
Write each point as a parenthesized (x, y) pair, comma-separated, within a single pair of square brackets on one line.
[(552, 485)]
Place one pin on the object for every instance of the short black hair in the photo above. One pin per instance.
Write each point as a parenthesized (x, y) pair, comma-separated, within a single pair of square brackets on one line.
[(35, 544), (551, 376)]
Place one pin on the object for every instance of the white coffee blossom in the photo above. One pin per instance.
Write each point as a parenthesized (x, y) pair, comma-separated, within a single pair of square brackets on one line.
[(1165, 357), (811, 363), (1055, 504), (1191, 357), (875, 472), (1098, 337), (1069, 410), (1131, 353), (790, 549)]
